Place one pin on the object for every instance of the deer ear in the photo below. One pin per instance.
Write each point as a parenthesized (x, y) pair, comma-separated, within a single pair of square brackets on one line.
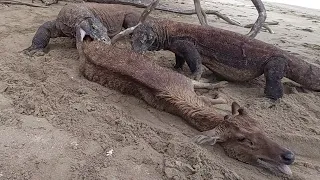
[(210, 137), (203, 139), (235, 107)]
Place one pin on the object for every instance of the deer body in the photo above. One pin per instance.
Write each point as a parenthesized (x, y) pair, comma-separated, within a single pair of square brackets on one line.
[(164, 89), (139, 76)]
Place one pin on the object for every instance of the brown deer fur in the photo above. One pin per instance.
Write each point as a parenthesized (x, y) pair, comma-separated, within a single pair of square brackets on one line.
[(135, 74)]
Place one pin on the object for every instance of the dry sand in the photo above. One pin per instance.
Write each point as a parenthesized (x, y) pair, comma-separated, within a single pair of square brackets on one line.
[(55, 125)]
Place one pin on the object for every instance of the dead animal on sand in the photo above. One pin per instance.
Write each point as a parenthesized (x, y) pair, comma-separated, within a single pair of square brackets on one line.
[(164, 89)]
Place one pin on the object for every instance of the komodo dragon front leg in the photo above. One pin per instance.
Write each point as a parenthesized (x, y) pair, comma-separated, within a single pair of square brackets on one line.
[(274, 71), (51, 29), (42, 37), (186, 51)]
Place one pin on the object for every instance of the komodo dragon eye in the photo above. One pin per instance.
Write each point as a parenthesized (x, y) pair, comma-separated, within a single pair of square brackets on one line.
[(94, 26)]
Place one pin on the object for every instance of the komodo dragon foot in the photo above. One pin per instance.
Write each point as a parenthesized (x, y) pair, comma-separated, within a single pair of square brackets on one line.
[(42, 37), (33, 51)]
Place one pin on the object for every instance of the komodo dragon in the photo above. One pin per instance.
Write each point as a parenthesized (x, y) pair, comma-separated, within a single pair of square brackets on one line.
[(233, 56), (100, 21), (135, 74)]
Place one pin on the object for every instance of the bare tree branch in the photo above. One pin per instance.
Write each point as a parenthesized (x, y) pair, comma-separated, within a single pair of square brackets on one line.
[(143, 17), (21, 3)]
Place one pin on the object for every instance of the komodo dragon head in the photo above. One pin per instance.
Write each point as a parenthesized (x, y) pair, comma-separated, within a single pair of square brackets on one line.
[(144, 38), (93, 28), (242, 138)]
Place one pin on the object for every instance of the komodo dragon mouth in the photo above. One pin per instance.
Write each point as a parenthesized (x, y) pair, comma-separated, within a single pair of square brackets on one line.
[(87, 37)]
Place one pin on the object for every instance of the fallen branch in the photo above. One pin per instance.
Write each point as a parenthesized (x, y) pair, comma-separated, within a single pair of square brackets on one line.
[(21, 3), (144, 4), (168, 9), (265, 25), (49, 3), (224, 17)]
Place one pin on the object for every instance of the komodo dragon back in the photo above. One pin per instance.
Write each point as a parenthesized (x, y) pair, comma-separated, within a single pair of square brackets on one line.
[(115, 16), (233, 56)]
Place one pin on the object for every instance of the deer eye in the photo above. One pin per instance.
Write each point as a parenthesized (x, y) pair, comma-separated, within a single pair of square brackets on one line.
[(241, 139), (248, 141), (94, 26)]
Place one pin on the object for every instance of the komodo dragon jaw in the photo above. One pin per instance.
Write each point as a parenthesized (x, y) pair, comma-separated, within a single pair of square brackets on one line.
[(95, 29)]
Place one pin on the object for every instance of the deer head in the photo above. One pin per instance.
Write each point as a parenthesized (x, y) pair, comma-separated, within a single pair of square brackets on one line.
[(243, 139)]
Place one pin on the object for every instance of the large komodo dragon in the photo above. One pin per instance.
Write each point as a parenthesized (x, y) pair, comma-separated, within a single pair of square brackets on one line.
[(100, 21), (234, 56), (136, 74)]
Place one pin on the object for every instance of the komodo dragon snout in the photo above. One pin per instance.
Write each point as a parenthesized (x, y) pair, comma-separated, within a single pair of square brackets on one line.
[(95, 29), (243, 139)]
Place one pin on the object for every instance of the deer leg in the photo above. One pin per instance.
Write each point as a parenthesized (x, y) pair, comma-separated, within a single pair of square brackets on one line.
[(42, 37), (274, 71), (188, 51), (211, 101), (203, 85), (261, 18)]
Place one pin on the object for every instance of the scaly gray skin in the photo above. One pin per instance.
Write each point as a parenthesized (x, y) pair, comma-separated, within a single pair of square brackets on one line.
[(99, 21), (234, 56)]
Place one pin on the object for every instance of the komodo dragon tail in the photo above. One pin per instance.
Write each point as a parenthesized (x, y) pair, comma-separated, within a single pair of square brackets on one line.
[(305, 73)]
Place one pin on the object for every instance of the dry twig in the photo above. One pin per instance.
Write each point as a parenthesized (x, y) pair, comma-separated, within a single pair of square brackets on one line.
[(21, 3)]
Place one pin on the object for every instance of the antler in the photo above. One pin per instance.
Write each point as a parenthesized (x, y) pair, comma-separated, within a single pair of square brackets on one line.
[(143, 17)]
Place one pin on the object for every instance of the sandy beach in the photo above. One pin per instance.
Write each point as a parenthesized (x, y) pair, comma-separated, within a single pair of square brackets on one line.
[(57, 125)]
